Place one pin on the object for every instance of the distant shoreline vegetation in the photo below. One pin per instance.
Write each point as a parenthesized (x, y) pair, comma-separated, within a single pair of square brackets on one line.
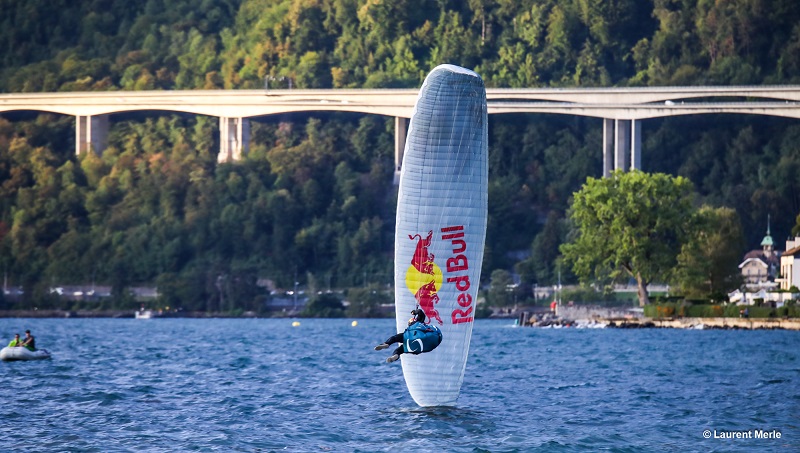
[(689, 310), (313, 203), (332, 307)]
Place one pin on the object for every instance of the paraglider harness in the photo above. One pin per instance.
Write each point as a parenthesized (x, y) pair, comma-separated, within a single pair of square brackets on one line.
[(420, 337)]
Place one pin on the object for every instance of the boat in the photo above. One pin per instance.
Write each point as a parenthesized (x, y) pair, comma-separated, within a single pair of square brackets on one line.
[(144, 314), (589, 324), (9, 354), (441, 226)]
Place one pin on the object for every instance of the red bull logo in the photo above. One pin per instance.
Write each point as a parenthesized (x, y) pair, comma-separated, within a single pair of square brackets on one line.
[(424, 277)]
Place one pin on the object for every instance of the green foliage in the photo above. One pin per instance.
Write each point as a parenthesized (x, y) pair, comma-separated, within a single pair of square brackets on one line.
[(542, 265), (629, 225), (708, 262), (366, 302), (361, 43), (157, 209), (501, 293), (483, 311), (796, 227), (314, 197), (591, 295), (326, 305), (680, 309)]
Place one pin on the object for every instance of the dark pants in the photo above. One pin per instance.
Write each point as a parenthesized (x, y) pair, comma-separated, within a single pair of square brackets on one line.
[(396, 339)]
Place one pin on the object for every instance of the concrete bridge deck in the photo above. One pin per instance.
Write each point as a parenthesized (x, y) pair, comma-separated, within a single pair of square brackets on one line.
[(622, 109), (399, 103)]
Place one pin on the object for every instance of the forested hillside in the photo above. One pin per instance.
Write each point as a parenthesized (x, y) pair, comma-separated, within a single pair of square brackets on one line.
[(313, 201)]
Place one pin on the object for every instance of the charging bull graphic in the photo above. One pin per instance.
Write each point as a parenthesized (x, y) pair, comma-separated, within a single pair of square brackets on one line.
[(424, 277)]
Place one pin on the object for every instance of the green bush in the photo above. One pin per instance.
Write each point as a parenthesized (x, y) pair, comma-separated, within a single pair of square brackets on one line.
[(482, 311), (705, 311), (679, 309), (760, 312), (789, 310), (732, 311), (665, 310)]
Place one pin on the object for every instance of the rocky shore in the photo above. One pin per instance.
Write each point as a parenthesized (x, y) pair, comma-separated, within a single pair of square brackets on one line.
[(633, 318), (707, 323), (668, 323)]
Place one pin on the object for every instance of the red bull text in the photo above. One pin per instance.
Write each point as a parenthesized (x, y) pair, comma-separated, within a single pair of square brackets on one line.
[(455, 265), (424, 278)]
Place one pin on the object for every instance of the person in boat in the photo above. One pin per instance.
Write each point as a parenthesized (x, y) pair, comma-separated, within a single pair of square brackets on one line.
[(29, 341), (418, 337), (15, 342)]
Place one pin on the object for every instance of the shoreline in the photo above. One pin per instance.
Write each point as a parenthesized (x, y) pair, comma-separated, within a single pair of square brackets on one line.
[(122, 314), (597, 321), (705, 323), (671, 323), (631, 318)]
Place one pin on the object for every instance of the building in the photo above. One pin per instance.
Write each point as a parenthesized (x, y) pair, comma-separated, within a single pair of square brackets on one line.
[(760, 267), (790, 265), (761, 271)]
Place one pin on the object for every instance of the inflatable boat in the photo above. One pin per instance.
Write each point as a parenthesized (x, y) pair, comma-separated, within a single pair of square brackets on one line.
[(21, 353)]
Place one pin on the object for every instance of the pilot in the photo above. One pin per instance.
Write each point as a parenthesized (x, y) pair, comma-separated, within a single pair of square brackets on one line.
[(429, 336)]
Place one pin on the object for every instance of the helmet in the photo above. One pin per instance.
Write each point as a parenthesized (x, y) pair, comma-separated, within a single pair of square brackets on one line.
[(419, 314)]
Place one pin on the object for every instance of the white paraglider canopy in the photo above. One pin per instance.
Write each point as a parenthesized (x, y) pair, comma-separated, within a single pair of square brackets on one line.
[(441, 226)]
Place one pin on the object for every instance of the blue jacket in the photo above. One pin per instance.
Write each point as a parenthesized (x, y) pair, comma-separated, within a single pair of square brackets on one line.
[(420, 337)]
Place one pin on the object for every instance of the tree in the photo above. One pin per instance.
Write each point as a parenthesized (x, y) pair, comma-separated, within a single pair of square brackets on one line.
[(499, 294), (545, 249), (366, 302), (325, 305), (707, 264), (629, 224), (796, 228), (314, 194)]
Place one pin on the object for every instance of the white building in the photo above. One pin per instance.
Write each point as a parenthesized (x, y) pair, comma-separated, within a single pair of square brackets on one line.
[(760, 267), (790, 265), (762, 271)]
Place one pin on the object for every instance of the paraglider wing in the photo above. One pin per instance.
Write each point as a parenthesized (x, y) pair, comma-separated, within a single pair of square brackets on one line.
[(441, 226)]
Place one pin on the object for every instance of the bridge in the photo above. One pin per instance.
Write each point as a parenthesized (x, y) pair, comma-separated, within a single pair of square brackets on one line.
[(622, 109)]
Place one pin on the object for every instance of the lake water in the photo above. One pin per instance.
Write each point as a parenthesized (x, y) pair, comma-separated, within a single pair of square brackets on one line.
[(264, 385)]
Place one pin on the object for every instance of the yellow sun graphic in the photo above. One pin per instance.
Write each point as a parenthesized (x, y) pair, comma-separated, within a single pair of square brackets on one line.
[(416, 279)]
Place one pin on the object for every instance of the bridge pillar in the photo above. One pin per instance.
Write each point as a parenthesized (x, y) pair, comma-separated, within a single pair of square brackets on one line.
[(636, 145), (234, 138), (622, 145), (91, 133), (608, 147), (400, 131)]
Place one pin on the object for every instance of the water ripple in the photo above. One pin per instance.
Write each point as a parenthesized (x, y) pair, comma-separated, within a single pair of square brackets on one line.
[(263, 385)]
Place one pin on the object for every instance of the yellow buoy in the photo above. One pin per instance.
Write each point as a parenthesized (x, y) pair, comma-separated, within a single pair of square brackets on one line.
[(354, 323), (296, 323)]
